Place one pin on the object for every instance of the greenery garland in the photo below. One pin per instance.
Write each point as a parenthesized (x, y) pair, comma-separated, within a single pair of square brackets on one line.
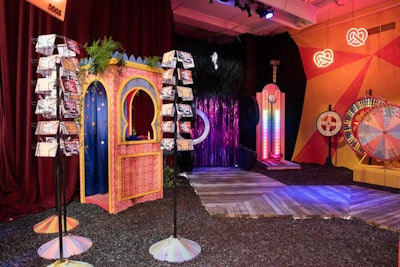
[(100, 52)]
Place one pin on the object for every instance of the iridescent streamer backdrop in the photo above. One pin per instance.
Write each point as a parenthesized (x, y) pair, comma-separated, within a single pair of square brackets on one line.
[(221, 145)]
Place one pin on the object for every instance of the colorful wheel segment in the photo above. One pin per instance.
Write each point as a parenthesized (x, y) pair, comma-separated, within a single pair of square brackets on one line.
[(379, 132), (352, 118)]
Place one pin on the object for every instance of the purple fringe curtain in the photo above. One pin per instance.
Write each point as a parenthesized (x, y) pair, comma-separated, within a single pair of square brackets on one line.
[(221, 145)]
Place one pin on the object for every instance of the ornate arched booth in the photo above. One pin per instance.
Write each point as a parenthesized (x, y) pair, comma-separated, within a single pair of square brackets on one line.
[(121, 162)]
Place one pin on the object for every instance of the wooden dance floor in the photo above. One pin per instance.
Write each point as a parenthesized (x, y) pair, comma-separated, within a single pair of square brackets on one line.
[(233, 192)]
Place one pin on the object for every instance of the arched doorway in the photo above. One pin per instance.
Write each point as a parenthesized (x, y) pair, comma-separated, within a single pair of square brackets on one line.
[(139, 112), (96, 139)]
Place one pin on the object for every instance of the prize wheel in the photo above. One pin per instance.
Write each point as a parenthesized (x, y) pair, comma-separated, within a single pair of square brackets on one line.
[(352, 118), (379, 132), (329, 123)]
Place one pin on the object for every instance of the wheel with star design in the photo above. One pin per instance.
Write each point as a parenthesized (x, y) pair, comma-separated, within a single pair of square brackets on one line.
[(329, 123)]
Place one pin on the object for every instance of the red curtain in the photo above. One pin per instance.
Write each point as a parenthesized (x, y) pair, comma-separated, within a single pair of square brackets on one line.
[(143, 27)]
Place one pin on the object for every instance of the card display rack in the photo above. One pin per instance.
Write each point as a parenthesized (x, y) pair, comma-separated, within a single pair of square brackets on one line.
[(58, 95), (58, 111), (177, 99), (177, 114)]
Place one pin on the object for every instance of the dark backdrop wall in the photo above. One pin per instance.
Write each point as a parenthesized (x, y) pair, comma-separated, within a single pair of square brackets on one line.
[(143, 27), (216, 85), (253, 54), (290, 79), (227, 78)]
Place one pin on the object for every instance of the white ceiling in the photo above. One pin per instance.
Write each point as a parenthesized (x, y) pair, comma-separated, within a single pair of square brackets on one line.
[(220, 22)]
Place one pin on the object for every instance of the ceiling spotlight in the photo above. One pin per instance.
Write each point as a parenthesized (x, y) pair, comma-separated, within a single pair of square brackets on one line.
[(248, 6), (264, 12), (270, 13)]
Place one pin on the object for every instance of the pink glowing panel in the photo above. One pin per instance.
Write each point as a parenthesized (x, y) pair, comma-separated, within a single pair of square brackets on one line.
[(277, 132), (265, 122), (270, 130), (271, 122)]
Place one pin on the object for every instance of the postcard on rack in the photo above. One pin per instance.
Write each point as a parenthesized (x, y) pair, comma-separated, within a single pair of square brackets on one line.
[(47, 65), (168, 77), (45, 44), (45, 85), (185, 127), (70, 147), (46, 107), (168, 126), (69, 86), (167, 144), (46, 149), (167, 93), (75, 79), (70, 108), (186, 58), (70, 65), (169, 60), (168, 110), (63, 51), (70, 127), (185, 93), (184, 110), (72, 45), (184, 144), (185, 76), (47, 128)]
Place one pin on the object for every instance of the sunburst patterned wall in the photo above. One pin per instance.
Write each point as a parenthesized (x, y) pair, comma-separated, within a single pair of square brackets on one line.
[(355, 70)]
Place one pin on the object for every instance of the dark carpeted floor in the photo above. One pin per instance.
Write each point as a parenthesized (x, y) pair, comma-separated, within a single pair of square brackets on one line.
[(124, 239)]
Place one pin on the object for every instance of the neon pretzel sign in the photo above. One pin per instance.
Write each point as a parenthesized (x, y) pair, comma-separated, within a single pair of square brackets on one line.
[(323, 58), (356, 37)]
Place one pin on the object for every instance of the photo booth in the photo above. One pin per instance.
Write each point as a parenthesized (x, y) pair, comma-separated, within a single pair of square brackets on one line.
[(121, 159)]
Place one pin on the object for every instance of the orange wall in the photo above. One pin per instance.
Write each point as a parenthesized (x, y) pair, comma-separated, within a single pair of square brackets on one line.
[(375, 65)]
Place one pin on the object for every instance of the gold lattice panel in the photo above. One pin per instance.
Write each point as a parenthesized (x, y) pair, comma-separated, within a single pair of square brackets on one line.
[(136, 175)]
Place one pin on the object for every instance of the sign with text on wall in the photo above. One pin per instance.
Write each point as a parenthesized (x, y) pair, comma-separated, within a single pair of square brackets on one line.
[(55, 8)]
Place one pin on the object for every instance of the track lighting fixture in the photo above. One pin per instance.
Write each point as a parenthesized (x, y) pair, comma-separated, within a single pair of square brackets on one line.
[(238, 4), (244, 7), (248, 10), (248, 5), (264, 12), (270, 14)]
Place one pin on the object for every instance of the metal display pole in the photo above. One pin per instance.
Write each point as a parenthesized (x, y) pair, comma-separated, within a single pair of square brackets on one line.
[(175, 248), (64, 245)]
